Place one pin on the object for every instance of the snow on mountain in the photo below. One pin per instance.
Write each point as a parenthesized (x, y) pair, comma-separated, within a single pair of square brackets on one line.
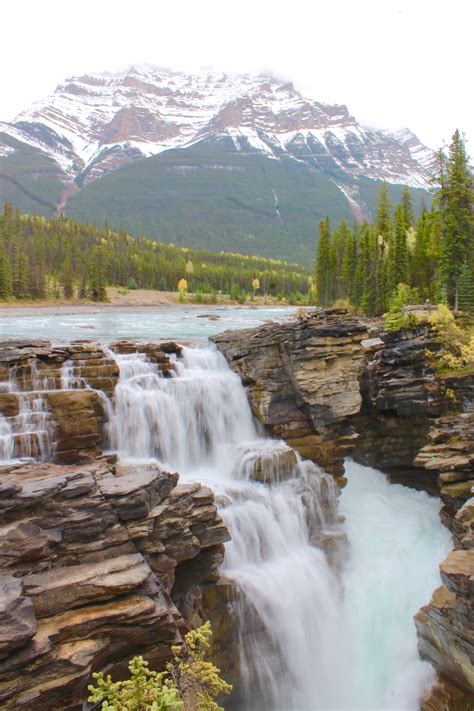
[(96, 123)]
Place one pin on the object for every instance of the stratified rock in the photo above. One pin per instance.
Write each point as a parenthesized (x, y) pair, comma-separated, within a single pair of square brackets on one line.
[(445, 626), (78, 417), (96, 567), (449, 454), (303, 379), (17, 616)]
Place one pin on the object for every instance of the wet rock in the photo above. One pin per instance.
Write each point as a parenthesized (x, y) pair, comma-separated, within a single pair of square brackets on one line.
[(266, 463), (303, 379), (78, 417)]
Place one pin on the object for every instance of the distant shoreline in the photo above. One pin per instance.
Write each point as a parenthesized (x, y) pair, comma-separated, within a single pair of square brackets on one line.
[(134, 301)]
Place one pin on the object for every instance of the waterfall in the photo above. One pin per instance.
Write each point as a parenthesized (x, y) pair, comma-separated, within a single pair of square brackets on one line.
[(29, 433), (199, 423), (69, 380)]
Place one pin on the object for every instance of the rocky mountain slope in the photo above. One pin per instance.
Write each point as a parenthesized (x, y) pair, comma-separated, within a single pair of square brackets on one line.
[(207, 154)]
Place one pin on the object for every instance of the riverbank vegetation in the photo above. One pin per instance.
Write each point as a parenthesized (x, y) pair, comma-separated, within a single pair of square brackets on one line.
[(399, 260)]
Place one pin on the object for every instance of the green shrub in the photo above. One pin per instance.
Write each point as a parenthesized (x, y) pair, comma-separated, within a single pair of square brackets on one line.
[(188, 680)]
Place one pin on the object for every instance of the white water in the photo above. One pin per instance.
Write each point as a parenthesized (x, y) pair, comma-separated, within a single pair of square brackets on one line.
[(200, 424), (396, 543), (27, 435), (309, 640)]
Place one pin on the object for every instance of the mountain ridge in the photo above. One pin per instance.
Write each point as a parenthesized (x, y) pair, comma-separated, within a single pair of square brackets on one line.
[(66, 148)]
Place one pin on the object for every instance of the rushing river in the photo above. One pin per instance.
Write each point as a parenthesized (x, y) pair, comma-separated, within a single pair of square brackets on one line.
[(311, 637)]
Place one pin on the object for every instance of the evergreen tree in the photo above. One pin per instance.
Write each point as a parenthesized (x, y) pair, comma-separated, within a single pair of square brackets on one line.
[(456, 205), (382, 217), (323, 264), (399, 252), (5, 276), (407, 208), (466, 288)]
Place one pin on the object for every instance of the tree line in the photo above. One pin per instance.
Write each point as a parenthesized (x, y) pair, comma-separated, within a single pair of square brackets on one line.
[(61, 258), (432, 257)]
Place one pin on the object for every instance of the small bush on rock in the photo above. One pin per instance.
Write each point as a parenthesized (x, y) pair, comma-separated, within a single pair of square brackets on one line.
[(188, 682)]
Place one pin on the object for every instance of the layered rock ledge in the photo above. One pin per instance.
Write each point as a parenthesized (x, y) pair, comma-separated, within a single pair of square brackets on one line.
[(95, 567)]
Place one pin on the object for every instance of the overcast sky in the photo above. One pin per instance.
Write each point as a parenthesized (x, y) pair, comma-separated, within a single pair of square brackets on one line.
[(392, 62)]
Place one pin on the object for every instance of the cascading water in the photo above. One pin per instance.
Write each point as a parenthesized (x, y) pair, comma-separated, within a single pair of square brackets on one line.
[(28, 433), (307, 636), (200, 423)]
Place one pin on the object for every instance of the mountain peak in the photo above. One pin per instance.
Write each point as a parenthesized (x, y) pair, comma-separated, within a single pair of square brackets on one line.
[(95, 123)]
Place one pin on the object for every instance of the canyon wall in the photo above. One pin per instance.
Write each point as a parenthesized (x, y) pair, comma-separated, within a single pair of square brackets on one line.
[(327, 388)]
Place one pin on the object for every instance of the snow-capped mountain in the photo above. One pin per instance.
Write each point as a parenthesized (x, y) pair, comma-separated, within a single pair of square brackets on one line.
[(94, 124)]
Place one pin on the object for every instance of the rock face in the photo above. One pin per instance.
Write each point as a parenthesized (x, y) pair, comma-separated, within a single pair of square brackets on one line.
[(401, 396), (303, 379), (449, 454), (446, 625), (328, 390), (94, 568)]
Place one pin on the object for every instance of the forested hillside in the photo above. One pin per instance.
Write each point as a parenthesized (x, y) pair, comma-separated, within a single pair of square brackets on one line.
[(41, 257)]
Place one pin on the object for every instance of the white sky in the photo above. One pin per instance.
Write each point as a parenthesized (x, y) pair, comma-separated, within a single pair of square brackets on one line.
[(392, 62)]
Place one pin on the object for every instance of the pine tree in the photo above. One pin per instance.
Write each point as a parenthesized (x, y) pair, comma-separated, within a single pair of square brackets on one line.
[(466, 288), (399, 252), (382, 217), (5, 276), (407, 208), (323, 264), (367, 272), (456, 205)]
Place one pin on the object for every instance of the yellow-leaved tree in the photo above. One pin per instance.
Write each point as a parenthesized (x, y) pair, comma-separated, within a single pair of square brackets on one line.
[(255, 285), (182, 288)]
